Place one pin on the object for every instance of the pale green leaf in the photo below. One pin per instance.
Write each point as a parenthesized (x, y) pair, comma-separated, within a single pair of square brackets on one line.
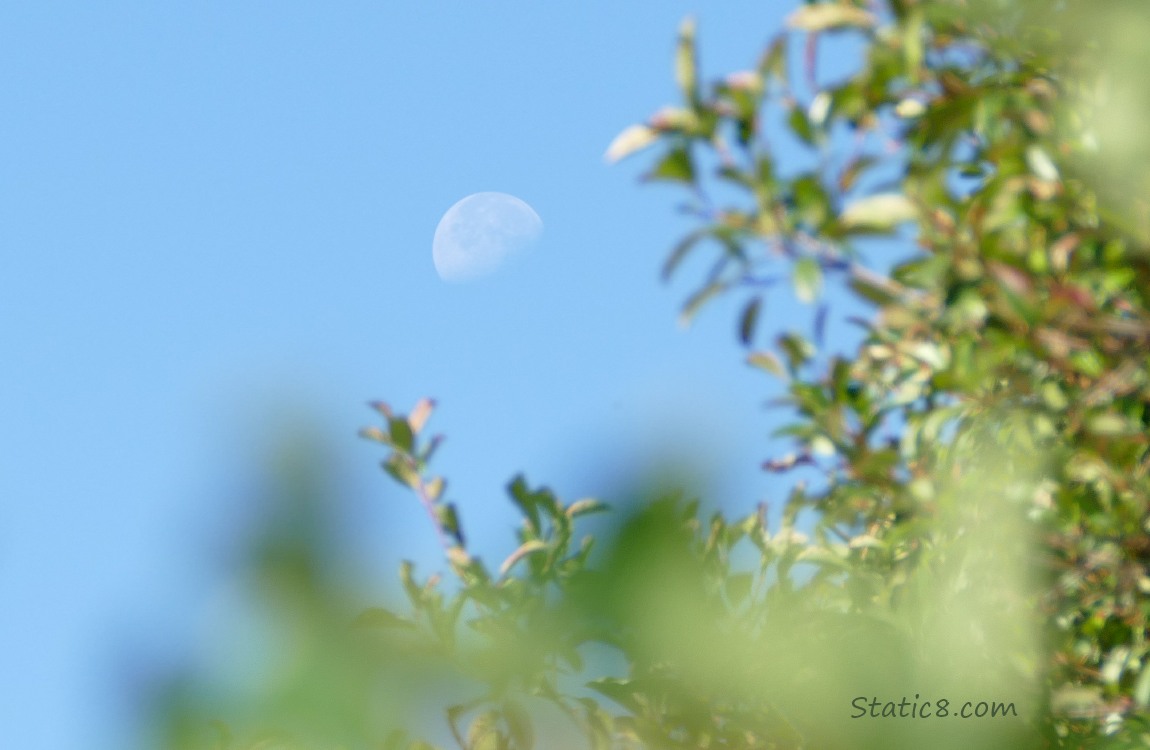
[(686, 74), (768, 362), (585, 506), (808, 279), (880, 212), (1040, 164), (632, 139), (826, 16), (420, 413), (524, 549)]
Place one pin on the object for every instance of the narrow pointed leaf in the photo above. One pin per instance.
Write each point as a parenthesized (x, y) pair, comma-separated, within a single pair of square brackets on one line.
[(686, 73), (748, 320), (524, 549), (585, 506), (697, 300), (827, 16), (632, 139), (420, 413)]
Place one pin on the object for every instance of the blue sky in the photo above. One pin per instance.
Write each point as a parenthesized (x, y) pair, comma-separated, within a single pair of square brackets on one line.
[(217, 217)]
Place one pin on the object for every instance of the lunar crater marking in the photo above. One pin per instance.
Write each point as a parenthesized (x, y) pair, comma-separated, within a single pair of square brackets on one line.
[(480, 232)]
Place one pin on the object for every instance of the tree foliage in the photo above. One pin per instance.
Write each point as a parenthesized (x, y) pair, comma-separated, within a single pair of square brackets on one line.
[(980, 525)]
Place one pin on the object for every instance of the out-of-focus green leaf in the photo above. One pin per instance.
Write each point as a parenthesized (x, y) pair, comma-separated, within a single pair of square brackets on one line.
[(1109, 424), (773, 63), (519, 724), (524, 549), (697, 300), (525, 500), (585, 506), (448, 520), (828, 16), (632, 139), (1040, 164), (378, 617), (420, 414), (808, 279), (686, 73), (881, 212), (768, 362), (748, 320), (675, 166), (400, 469), (801, 126), (433, 488), (484, 734), (401, 434), (797, 350), (1141, 692)]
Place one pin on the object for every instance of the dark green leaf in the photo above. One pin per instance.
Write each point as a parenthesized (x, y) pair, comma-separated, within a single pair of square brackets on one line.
[(801, 125), (401, 434), (748, 320), (675, 166)]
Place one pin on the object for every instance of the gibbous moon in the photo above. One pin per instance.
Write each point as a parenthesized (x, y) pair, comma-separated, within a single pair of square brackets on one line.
[(480, 232)]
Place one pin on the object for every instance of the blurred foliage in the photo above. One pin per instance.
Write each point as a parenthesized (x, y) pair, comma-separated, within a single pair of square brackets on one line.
[(981, 526)]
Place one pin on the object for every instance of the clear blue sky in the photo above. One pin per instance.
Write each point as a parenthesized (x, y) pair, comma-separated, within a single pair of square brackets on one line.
[(214, 213)]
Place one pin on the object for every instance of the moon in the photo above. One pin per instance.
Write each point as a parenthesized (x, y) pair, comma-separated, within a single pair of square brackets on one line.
[(480, 232)]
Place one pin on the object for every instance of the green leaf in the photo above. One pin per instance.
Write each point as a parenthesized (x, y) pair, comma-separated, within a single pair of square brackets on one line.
[(377, 617), (399, 467), (1088, 362), (1141, 693), (881, 212), (525, 500), (829, 16), (681, 249), (749, 319), (797, 350), (773, 63), (768, 362), (811, 203), (483, 734), (1040, 164), (632, 139), (401, 434), (448, 520), (524, 549), (675, 166), (1109, 424), (912, 42), (801, 126), (519, 723), (808, 279), (407, 577), (697, 300), (433, 489), (686, 74), (585, 506), (420, 414)]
